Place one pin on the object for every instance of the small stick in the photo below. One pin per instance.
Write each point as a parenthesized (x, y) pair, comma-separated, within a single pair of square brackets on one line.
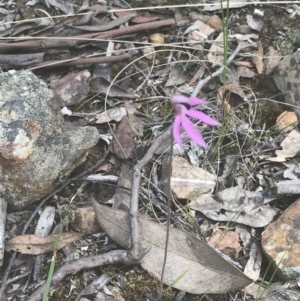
[(81, 61), (137, 252), (202, 82), (75, 266)]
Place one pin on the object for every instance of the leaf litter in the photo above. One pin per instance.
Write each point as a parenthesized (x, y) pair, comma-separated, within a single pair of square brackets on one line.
[(228, 205)]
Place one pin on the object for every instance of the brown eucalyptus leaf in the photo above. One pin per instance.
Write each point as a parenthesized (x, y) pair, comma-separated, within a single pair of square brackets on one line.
[(123, 141), (193, 265), (35, 245)]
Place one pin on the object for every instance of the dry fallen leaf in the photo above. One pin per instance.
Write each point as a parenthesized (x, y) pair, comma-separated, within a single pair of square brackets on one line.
[(35, 245), (243, 71), (255, 22), (115, 114), (200, 32), (215, 55), (244, 63), (290, 147), (235, 205), (258, 58), (177, 76), (286, 121), (123, 141), (228, 243), (236, 89), (64, 6), (138, 18), (107, 26), (45, 222), (195, 266), (272, 59), (223, 5), (253, 266), (287, 187)]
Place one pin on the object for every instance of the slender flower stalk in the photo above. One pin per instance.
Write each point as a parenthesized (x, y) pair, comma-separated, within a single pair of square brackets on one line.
[(182, 106)]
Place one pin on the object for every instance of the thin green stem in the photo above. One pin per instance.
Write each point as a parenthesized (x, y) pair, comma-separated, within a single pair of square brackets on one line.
[(53, 260), (225, 37)]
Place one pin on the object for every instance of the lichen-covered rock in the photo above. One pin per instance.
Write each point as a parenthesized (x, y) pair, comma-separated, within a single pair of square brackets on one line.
[(281, 242), (35, 148)]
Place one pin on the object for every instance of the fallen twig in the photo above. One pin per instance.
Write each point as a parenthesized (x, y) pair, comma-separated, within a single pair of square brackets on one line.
[(136, 252), (59, 42), (202, 82), (75, 266), (81, 61)]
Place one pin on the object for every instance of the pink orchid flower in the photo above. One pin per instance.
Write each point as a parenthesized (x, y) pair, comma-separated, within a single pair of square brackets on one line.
[(182, 107)]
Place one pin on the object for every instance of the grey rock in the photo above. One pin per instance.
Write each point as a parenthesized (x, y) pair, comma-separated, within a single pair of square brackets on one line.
[(287, 80), (35, 148)]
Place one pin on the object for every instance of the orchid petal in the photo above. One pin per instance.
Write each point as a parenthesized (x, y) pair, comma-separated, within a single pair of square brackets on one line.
[(192, 132), (202, 117), (179, 99), (176, 131), (194, 101)]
